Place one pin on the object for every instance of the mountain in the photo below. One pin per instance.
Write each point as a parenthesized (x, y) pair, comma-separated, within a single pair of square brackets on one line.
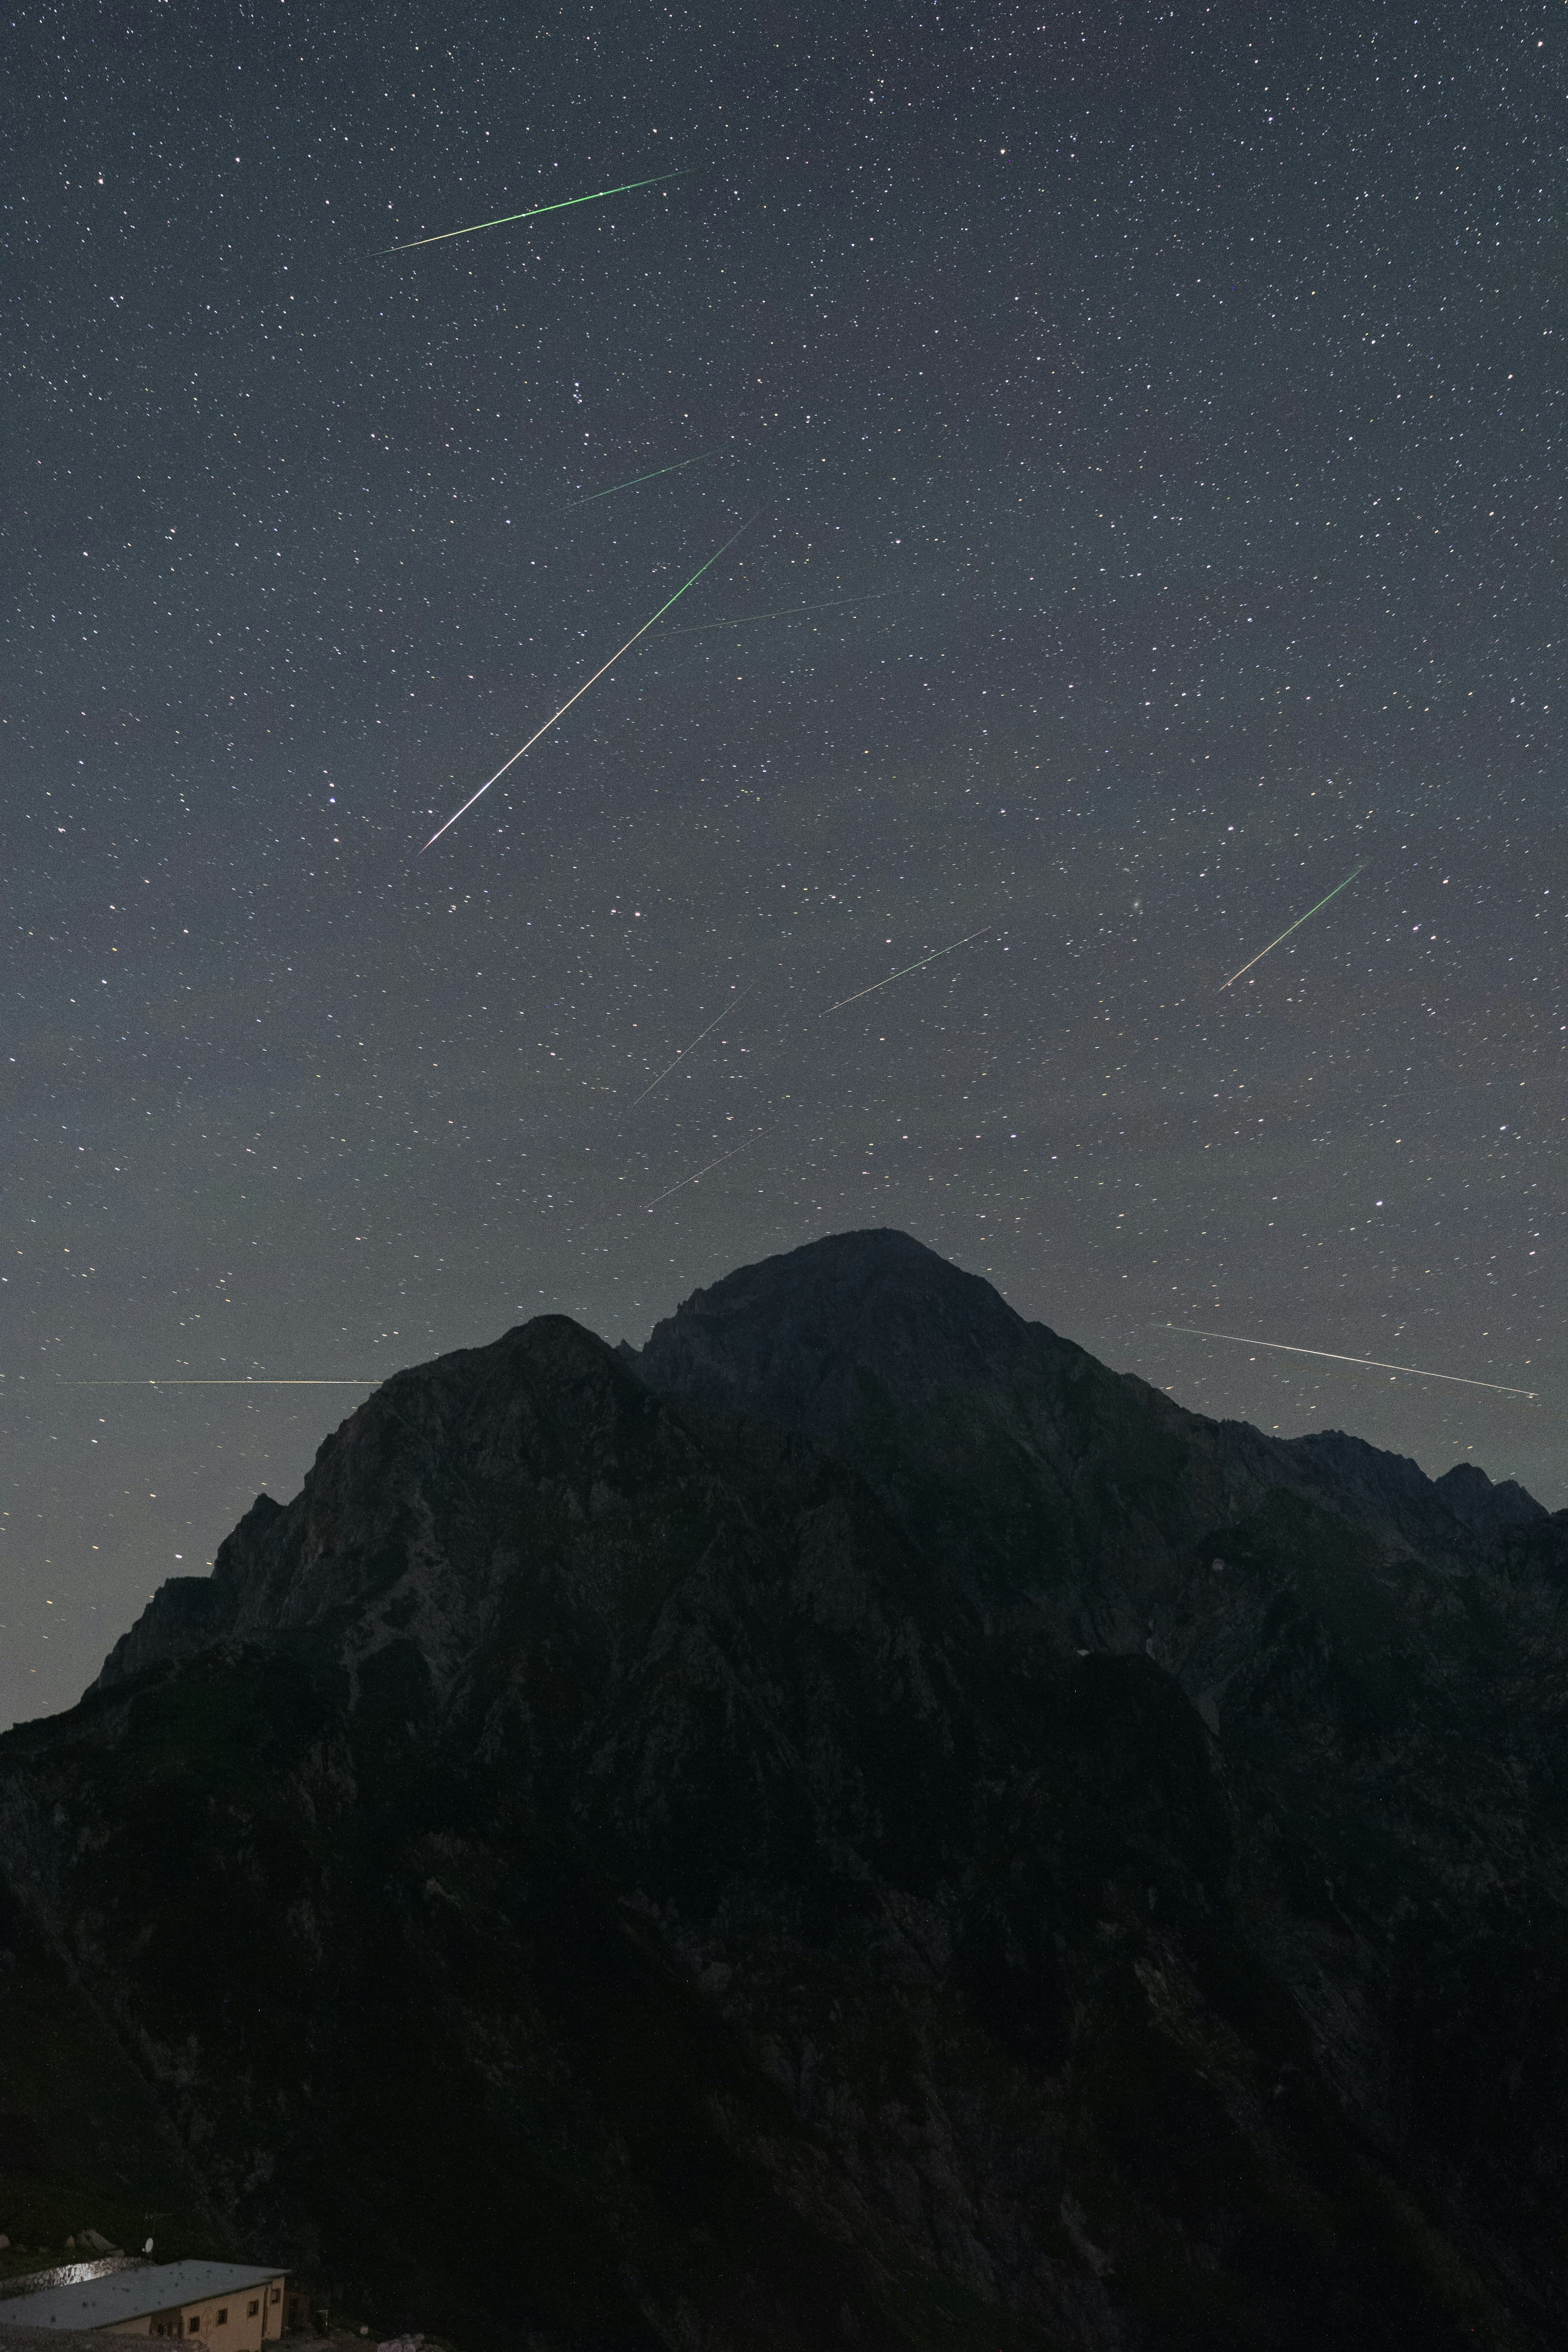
[(853, 1824)]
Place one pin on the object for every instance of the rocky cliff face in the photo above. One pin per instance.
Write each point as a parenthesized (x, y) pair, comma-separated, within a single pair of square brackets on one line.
[(856, 1824)]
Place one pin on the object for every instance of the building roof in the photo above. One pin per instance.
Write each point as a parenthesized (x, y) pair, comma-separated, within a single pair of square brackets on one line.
[(135, 2294), (68, 2273)]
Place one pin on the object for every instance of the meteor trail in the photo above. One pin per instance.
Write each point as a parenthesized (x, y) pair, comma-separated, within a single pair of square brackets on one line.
[(1292, 927), (876, 984), (220, 1384), (709, 1170), (678, 468), (506, 219), (582, 689), (688, 1049), (1369, 1363)]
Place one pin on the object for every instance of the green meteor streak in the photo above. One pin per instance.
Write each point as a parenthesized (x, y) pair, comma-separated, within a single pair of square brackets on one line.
[(582, 689), (1291, 926), (678, 468), (505, 219)]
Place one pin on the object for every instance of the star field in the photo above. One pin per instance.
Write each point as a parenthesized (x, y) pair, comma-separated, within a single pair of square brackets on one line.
[(1146, 425)]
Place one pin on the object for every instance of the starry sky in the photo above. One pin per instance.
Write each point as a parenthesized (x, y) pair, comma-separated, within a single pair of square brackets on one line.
[(1144, 431)]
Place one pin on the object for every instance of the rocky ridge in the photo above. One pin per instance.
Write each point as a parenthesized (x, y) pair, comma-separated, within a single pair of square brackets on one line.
[(853, 1823)]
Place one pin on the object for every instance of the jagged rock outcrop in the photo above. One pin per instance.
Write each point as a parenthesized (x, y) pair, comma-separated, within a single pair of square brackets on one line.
[(853, 1823)]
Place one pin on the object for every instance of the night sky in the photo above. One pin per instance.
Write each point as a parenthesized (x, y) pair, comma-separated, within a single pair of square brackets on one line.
[(1147, 429)]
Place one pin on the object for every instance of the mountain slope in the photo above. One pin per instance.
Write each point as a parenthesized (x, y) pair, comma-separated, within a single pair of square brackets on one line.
[(858, 1825)]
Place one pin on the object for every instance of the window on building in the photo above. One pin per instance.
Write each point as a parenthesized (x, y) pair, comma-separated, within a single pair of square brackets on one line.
[(277, 2294), (252, 2308), (193, 2326), (222, 2316)]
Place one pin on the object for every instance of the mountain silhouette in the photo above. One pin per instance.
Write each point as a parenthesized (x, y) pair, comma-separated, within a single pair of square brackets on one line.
[(854, 1823)]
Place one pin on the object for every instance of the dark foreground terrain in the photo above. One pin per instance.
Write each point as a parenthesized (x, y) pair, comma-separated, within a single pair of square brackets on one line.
[(856, 1826)]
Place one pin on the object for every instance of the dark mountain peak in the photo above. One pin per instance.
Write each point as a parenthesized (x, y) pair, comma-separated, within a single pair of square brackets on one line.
[(548, 1409), (836, 1275), (942, 1394), (1487, 1505), (1439, 1515), (1058, 1496), (1046, 1489), (797, 1333)]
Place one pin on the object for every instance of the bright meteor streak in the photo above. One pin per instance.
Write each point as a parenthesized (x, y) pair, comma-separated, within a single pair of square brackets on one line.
[(220, 1384), (1368, 1363), (1290, 927), (505, 220), (892, 976), (709, 1170), (678, 468), (582, 689), (688, 1049)]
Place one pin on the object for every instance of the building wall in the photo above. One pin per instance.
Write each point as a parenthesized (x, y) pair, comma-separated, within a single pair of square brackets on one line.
[(224, 2323)]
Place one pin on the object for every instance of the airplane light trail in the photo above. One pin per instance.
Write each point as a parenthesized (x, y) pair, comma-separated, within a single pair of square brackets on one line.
[(1369, 1363), (1291, 926), (678, 468), (709, 1170), (892, 976), (220, 1384), (505, 220), (785, 611), (692, 1048), (582, 689)]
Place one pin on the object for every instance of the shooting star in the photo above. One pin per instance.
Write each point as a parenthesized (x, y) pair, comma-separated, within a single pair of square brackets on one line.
[(1368, 1363), (892, 976), (505, 220), (692, 1048), (582, 689), (709, 1170), (785, 611), (220, 1384), (1291, 926), (678, 468)]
